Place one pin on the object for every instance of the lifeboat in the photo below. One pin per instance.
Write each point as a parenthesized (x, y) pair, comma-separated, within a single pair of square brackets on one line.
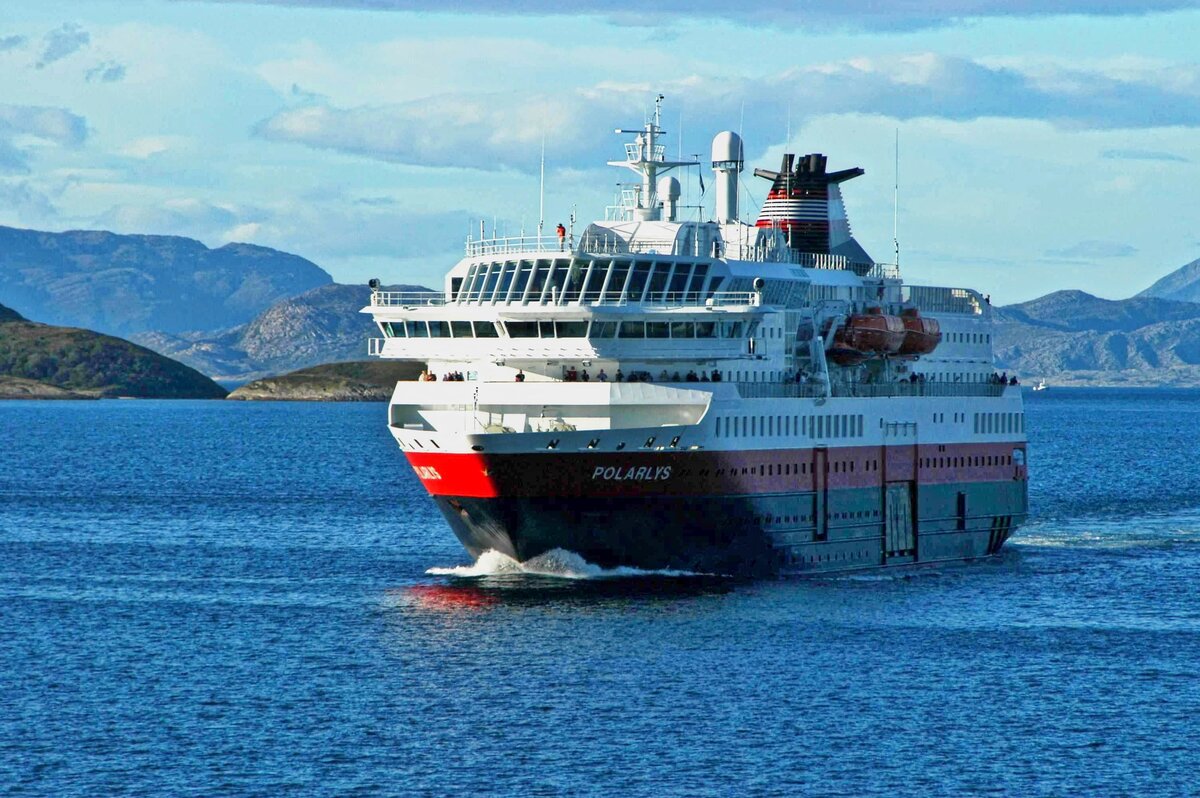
[(867, 335), (921, 334)]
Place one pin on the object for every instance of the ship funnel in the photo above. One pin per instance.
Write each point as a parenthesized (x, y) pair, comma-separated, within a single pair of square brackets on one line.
[(727, 159), (668, 192)]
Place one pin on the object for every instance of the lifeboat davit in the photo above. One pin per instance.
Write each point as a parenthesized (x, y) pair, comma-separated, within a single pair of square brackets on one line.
[(921, 334), (866, 335)]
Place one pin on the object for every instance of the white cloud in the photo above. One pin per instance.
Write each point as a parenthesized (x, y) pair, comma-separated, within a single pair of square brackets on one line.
[(62, 42), (149, 146), (25, 126), (815, 14), (497, 131)]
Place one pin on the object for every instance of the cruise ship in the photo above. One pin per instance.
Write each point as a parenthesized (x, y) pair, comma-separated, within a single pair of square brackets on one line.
[(679, 388)]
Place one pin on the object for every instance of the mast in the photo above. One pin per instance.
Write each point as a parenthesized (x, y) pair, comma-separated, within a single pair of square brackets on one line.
[(647, 157)]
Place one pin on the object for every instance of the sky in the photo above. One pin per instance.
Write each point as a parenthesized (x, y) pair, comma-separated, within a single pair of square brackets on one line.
[(1042, 145)]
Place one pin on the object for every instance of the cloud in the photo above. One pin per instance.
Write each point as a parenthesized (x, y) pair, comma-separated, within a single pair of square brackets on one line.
[(814, 14), (1142, 155), (20, 125), (11, 42), (499, 131), (183, 216), (106, 72), (1090, 250), (149, 146), (24, 204), (62, 42)]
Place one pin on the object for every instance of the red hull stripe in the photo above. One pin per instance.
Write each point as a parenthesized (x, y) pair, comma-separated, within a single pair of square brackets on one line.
[(708, 473)]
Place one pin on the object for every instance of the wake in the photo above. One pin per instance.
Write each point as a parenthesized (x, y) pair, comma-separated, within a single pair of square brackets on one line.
[(556, 563)]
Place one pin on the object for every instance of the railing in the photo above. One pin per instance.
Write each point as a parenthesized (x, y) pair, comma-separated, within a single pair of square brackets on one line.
[(513, 244), (694, 246), (375, 346), (776, 390), (407, 298)]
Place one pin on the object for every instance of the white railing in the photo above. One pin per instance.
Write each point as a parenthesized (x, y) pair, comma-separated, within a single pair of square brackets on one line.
[(407, 298), (515, 244)]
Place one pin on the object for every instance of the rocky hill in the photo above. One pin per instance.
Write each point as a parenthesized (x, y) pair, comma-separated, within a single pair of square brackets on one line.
[(87, 362), (360, 381), (322, 325), (123, 284), (1072, 337), (1182, 284)]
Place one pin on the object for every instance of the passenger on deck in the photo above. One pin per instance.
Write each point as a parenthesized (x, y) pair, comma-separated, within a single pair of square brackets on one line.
[(663, 376), (1013, 381), (520, 376), (676, 378), (692, 376), (572, 374), (703, 377), (586, 377), (620, 375), (602, 377), (562, 235), (716, 375)]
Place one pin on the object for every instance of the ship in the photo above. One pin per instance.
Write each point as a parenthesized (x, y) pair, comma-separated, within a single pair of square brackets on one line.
[(674, 387)]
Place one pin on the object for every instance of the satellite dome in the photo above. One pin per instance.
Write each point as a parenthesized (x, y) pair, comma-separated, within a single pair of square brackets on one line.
[(669, 187), (726, 147)]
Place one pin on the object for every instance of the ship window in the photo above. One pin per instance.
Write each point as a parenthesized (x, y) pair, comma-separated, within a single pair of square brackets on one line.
[(706, 329), (637, 281), (591, 290), (632, 329), (393, 329), (679, 279), (506, 281), (616, 283), (675, 441), (416, 329), (649, 442), (657, 329), (553, 444), (571, 329), (658, 281), (539, 281), (439, 329), (486, 329), (522, 329), (683, 329), (461, 329), (489, 285), (557, 282), (593, 443), (545, 329), (522, 281), (604, 329), (573, 289), (697, 281)]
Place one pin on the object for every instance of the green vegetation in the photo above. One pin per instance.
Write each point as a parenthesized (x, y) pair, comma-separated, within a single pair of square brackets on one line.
[(88, 362)]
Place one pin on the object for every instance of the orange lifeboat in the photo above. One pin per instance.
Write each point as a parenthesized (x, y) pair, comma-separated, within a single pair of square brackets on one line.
[(921, 335), (867, 335)]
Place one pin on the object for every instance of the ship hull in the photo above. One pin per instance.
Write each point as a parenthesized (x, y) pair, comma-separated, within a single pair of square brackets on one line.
[(750, 534)]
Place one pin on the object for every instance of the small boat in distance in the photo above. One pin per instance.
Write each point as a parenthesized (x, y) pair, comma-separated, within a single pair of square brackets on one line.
[(1041, 386)]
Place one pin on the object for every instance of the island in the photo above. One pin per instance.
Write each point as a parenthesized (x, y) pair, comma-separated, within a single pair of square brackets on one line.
[(353, 381)]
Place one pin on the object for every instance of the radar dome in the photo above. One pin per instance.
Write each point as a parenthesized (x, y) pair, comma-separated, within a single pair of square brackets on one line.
[(669, 187), (726, 147)]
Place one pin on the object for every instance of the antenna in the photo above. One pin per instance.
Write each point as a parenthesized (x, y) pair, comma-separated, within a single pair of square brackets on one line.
[(896, 203), (542, 188)]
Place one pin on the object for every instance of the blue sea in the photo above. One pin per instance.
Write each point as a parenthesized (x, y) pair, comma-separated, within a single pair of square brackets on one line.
[(238, 599)]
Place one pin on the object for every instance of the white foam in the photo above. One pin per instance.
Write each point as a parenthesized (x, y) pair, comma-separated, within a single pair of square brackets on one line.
[(558, 563)]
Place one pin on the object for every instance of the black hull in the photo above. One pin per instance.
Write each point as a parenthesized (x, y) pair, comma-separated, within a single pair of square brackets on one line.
[(748, 535)]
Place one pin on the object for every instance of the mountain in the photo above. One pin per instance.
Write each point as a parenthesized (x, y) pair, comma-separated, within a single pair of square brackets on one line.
[(1074, 337), (322, 325), (122, 284), (1182, 284), (90, 362), (359, 381)]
